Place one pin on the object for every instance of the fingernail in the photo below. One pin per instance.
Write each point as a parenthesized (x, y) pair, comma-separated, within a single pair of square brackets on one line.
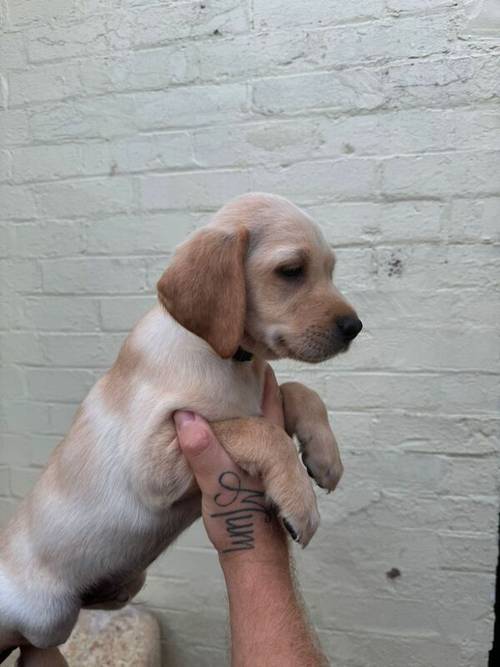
[(183, 417)]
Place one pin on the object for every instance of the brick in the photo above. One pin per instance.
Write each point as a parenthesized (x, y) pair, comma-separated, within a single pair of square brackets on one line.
[(474, 219), (376, 222), (17, 203), (23, 12), (423, 391), (380, 41), (281, 14), (5, 240), (39, 163), (14, 127), (21, 347), (262, 53), (83, 118), (460, 482), (153, 25), (4, 92), (417, 308), (5, 165), (8, 312), (22, 480), (121, 314), (467, 552), (46, 239), (256, 143), (446, 82), (424, 266), (27, 416), (53, 162), (13, 383), (442, 175), (80, 350), (41, 446), (61, 416), (139, 70), (155, 152), (418, 432), (358, 649), (12, 51), (398, 471), (16, 449), (59, 384), (399, 6), (93, 275), (196, 189), (7, 509), (355, 90), (53, 82), (85, 198), (95, 34), (145, 234), (19, 276), (435, 347), (4, 477), (483, 20), (311, 182), (192, 106), (474, 514), (410, 131), (386, 133), (61, 313)]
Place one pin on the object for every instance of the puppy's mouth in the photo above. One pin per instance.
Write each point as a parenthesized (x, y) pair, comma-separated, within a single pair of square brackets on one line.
[(314, 346)]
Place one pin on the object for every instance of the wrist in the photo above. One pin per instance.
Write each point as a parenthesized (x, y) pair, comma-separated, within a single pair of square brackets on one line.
[(270, 561)]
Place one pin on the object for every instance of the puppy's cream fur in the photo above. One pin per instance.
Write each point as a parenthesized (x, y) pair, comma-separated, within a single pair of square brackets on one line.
[(117, 490)]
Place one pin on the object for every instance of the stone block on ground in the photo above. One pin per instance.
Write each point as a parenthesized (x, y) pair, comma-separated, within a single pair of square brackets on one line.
[(128, 637)]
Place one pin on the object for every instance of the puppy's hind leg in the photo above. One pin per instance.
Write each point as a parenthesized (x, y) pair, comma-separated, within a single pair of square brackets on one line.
[(114, 595), (41, 657)]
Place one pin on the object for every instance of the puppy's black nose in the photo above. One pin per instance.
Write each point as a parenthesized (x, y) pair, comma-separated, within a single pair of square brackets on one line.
[(349, 326)]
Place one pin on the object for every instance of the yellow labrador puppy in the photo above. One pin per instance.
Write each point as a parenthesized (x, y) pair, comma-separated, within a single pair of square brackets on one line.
[(254, 284)]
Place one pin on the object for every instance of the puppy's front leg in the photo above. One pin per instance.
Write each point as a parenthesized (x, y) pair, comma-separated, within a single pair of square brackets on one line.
[(261, 447), (307, 418)]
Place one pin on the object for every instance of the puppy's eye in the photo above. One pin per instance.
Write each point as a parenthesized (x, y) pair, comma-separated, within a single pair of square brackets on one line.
[(291, 272)]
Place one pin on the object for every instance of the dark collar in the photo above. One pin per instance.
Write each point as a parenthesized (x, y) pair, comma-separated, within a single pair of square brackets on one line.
[(242, 355)]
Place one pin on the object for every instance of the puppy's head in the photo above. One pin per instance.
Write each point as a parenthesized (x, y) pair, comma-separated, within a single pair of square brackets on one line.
[(260, 276)]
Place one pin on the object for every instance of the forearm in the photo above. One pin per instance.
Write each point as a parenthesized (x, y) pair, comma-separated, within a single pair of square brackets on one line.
[(268, 624)]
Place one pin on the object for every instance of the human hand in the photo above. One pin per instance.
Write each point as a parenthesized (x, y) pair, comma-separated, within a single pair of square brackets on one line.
[(237, 518)]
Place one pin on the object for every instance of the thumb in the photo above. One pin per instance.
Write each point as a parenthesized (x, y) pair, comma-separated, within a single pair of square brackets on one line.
[(205, 455)]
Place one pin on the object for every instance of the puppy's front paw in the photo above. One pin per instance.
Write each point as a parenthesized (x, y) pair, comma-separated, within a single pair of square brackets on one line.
[(297, 507), (302, 529), (321, 457)]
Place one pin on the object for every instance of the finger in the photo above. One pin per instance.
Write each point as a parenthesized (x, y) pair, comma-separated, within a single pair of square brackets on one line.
[(272, 401), (206, 457)]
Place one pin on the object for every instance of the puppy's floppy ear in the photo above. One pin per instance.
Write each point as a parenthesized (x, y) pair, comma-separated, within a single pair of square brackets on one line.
[(204, 287)]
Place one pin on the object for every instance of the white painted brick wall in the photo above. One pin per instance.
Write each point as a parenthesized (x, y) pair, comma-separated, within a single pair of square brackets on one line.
[(124, 123)]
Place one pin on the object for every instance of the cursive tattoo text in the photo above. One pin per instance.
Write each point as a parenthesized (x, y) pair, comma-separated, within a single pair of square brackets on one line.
[(240, 520)]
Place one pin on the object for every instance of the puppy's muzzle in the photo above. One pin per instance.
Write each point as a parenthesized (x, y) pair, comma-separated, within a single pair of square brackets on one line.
[(348, 327)]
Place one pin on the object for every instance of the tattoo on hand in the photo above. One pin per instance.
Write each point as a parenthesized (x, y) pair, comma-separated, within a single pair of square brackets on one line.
[(239, 522)]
